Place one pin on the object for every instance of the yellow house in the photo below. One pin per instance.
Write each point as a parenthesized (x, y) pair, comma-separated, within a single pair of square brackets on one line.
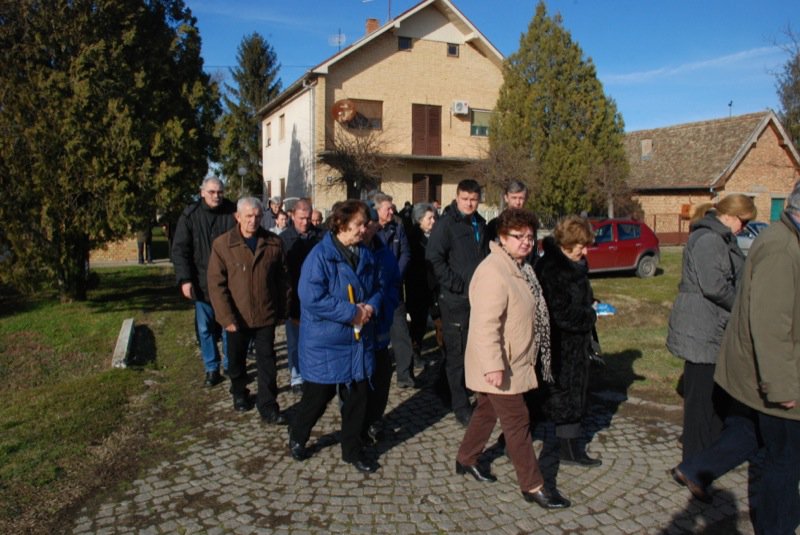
[(414, 95)]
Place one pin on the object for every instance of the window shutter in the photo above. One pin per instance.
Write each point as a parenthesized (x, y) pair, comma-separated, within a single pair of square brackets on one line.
[(434, 141)]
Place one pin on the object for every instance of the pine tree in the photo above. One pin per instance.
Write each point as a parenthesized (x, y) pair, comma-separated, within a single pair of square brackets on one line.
[(552, 109), (788, 84), (257, 83), (106, 119)]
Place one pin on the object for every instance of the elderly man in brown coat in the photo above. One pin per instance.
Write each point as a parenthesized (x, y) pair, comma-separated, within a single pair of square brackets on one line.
[(249, 289)]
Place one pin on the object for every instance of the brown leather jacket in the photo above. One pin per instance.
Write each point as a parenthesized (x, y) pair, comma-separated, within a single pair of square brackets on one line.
[(248, 289)]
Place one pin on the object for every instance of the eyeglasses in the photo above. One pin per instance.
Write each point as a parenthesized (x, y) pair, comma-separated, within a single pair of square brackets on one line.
[(522, 237)]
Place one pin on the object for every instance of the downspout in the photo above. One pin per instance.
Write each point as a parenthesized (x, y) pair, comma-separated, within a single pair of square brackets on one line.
[(312, 147)]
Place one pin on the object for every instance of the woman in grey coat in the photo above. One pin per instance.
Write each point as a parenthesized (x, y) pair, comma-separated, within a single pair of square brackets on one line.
[(712, 264)]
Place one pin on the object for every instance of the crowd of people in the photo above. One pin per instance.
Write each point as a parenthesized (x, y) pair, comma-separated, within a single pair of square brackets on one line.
[(358, 292)]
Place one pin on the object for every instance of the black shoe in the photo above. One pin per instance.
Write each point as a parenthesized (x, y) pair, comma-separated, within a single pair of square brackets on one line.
[(298, 451), (213, 378), (273, 416), (475, 471), (406, 382), (574, 454), (546, 499), (242, 403), (463, 416), (697, 491), (365, 466), (297, 389)]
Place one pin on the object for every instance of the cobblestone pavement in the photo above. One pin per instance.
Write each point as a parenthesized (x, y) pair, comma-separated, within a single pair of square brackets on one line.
[(235, 476)]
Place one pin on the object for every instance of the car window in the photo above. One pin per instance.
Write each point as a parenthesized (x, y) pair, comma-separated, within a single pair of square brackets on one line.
[(628, 231), (603, 234)]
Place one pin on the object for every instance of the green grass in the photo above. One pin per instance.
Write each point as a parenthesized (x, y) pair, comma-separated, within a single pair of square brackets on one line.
[(633, 340), (62, 402)]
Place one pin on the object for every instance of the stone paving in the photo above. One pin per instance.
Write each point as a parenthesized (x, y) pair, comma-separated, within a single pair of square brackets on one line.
[(235, 476)]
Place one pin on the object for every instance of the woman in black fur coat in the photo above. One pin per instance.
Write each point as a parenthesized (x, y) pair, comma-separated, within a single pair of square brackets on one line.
[(563, 274)]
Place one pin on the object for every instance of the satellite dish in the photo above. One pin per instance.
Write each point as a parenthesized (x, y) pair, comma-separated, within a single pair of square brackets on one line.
[(343, 110)]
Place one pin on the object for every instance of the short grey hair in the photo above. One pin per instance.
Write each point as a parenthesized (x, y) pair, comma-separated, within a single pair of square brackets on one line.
[(302, 204), (381, 197), (419, 210), (793, 202), (516, 186), (208, 180), (248, 202)]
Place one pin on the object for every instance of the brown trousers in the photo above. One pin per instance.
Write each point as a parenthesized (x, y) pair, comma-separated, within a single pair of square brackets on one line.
[(515, 423)]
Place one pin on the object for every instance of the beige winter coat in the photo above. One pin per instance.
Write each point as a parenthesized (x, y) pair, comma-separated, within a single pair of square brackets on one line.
[(501, 327)]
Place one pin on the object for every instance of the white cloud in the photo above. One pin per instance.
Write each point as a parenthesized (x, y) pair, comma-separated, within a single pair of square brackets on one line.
[(743, 59)]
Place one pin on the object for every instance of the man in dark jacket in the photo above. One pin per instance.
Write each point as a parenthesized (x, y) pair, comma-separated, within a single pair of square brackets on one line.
[(249, 289), (298, 240), (393, 236), (457, 245), (514, 196), (198, 226)]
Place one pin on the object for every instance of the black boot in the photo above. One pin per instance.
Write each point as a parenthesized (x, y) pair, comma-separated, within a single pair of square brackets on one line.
[(574, 453)]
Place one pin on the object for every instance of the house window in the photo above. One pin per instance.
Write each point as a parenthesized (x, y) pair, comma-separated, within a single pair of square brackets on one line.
[(452, 50), (404, 43), (426, 188), (283, 187), (647, 149), (269, 188), (281, 127), (479, 122), (369, 115), (268, 135), (426, 129)]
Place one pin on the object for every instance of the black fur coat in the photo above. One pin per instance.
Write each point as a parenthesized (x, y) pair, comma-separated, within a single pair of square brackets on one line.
[(569, 298)]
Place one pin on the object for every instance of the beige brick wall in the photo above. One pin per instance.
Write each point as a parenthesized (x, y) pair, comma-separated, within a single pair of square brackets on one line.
[(424, 75), (118, 251)]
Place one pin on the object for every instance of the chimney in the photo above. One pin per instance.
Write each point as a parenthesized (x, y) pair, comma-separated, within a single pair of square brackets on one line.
[(372, 25)]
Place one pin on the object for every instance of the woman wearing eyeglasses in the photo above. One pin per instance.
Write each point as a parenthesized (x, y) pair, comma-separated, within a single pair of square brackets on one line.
[(508, 330), (564, 275), (712, 265)]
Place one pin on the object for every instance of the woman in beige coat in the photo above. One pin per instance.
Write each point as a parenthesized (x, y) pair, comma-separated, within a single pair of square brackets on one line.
[(509, 326)]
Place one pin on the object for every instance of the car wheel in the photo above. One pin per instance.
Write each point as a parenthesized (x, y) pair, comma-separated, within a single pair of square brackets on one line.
[(646, 267)]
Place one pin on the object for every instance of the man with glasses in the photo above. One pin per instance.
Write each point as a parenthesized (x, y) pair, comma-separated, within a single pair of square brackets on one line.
[(199, 225)]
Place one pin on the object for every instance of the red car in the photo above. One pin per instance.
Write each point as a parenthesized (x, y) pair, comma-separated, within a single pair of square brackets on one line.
[(621, 245)]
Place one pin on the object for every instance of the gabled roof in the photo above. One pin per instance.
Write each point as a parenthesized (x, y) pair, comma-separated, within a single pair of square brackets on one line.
[(700, 155), (445, 7)]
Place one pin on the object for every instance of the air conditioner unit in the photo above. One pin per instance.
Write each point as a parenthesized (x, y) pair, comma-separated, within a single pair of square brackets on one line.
[(460, 107)]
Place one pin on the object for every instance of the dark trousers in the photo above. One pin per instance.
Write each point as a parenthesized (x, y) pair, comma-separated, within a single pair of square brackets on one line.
[(776, 506), (266, 370), (145, 250), (454, 332), (702, 408), (312, 406), (515, 422), (401, 344), (378, 395), (418, 310)]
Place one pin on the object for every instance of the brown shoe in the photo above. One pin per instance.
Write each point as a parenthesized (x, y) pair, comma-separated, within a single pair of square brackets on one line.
[(697, 491)]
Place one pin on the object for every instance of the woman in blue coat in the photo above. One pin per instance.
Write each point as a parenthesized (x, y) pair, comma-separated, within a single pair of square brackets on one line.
[(339, 292)]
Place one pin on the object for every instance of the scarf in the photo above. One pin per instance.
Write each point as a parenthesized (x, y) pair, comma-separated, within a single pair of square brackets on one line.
[(541, 319)]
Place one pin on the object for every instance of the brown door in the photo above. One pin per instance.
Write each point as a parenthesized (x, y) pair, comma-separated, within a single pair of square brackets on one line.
[(426, 130), (425, 188)]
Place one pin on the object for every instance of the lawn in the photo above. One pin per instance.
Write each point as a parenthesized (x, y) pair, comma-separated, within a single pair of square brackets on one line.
[(633, 339), (69, 424)]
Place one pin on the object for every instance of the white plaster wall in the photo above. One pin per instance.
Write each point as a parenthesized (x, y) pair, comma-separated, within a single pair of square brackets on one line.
[(290, 158)]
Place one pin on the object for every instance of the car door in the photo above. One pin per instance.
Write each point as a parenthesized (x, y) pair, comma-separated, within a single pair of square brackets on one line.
[(629, 244), (603, 253)]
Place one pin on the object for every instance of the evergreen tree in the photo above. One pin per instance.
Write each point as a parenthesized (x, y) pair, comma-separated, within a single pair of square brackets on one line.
[(552, 109), (239, 128), (106, 119), (788, 84)]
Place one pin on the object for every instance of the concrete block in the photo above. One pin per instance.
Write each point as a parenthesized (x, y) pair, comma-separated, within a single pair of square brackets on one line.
[(124, 343)]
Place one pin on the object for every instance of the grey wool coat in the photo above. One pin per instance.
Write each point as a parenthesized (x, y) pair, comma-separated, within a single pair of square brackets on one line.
[(712, 265)]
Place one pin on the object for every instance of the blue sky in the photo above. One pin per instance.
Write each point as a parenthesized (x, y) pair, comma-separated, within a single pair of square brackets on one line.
[(664, 62)]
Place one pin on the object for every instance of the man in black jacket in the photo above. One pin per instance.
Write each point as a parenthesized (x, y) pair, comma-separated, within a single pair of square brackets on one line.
[(298, 240), (458, 243), (198, 226)]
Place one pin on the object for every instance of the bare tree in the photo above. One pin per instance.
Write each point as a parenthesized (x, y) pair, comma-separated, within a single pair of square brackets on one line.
[(501, 164), (358, 154)]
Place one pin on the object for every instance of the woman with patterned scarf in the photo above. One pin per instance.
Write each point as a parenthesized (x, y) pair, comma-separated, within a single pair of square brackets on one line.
[(501, 355)]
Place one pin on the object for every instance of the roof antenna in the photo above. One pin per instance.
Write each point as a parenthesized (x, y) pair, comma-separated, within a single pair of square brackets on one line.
[(730, 108), (337, 39)]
